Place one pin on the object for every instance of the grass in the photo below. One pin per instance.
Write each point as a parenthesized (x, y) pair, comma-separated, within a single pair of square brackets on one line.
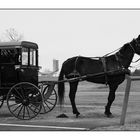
[(93, 87)]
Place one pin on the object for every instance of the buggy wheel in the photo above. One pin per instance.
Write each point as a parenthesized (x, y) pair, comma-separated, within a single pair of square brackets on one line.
[(1, 100), (24, 101), (49, 99)]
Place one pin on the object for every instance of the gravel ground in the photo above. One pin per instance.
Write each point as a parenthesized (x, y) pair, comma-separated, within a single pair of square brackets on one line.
[(91, 106)]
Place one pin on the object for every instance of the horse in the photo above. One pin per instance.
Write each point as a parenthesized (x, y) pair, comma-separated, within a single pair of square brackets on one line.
[(79, 66)]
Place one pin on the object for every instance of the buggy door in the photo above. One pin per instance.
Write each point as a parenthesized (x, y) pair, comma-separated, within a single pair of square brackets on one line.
[(29, 67), (8, 74)]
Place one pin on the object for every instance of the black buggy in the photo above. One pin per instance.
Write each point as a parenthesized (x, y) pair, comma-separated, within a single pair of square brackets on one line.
[(26, 97)]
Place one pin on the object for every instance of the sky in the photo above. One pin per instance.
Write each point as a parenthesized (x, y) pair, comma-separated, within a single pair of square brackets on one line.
[(61, 34)]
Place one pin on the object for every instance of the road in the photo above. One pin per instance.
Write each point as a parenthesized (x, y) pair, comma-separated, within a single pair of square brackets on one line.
[(91, 106)]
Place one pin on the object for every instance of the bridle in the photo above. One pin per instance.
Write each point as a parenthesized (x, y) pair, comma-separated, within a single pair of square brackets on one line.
[(132, 48), (137, 44)]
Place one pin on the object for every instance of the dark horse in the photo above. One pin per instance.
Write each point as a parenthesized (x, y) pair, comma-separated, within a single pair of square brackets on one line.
[(80, 66)]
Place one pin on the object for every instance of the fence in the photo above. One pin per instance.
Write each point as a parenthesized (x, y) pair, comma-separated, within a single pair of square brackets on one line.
[(126, 96)]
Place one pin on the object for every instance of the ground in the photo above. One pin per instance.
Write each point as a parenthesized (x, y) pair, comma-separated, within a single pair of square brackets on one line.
[(90, 99)]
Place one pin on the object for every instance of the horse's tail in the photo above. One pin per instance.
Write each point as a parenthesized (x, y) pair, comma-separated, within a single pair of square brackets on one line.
[(61, 87)]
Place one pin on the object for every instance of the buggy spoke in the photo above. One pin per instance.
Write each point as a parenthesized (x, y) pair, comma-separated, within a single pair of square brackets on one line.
[(14, 95), (32, 110), (27, 111), (17, 108), (36, 107), (14, 104), (23, 112), (18, 92), (47, 105), (29, 91), (19, 111), (22, 92), (44, 108), (49, 102), (16, 100), (51, 99)]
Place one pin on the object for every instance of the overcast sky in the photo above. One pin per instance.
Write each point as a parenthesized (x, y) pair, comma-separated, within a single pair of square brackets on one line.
[(61, 34)]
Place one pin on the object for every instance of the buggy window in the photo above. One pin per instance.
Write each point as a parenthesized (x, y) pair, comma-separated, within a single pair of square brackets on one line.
[(8, 56), (24, 56), (28, 56), (32, 57)]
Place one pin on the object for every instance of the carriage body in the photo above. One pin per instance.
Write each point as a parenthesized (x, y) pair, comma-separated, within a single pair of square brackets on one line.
[(19, 79), (18, 63)]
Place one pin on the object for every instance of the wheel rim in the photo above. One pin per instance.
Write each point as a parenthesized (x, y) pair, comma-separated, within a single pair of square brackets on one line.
[(24, 101), (1, 101), (49, 101)]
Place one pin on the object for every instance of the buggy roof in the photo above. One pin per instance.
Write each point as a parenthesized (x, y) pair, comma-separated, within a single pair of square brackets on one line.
[(10, 45)]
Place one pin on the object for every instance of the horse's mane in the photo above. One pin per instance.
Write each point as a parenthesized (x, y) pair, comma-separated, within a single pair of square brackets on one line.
[(123, 48)]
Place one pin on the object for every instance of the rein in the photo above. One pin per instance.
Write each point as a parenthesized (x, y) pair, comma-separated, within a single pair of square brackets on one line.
[(121, 47), (136, 61), (112, 52)]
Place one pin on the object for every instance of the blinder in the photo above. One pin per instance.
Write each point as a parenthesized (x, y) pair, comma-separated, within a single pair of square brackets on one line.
[(137, 45)]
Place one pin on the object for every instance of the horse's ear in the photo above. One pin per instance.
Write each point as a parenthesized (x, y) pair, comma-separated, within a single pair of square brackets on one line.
[(139, 37)]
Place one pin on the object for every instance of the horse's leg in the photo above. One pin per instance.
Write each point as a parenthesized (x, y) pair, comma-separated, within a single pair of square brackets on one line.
[(73, 89), (111, 98)]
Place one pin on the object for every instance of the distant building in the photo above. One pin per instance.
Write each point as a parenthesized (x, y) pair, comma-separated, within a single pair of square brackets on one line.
[(55, 66), (52, 73)]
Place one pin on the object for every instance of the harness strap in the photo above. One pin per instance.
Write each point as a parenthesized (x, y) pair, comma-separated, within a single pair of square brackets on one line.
[(118, 60), (120, 66), (103, 59), (76, 63), (75, 73)]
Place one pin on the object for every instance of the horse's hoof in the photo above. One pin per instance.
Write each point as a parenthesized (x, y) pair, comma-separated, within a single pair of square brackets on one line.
[(109, 115), (77, 115)]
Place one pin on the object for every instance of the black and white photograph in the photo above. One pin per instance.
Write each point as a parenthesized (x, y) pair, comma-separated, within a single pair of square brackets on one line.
[(69, 69)]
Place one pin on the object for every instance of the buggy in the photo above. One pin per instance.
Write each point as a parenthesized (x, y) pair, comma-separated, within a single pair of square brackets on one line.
[(19, 85)]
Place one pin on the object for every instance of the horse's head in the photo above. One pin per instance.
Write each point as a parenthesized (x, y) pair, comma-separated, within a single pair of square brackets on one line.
[(136, 46)]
